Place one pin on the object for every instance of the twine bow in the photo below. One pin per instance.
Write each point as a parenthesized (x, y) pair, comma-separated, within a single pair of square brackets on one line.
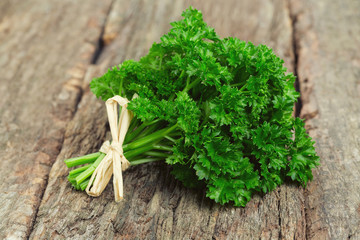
[(114, 162)]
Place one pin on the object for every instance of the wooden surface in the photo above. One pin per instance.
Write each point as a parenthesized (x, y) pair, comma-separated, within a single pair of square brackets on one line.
[(49, 52), (328, 42)]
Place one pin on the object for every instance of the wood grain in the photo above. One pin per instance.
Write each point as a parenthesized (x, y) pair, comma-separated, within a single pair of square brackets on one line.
[(328, 41), (155, 205), (45, 48), (50, 51)]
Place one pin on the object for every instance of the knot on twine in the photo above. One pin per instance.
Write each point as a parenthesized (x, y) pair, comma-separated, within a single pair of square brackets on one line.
[(114, 162), (115, 146)]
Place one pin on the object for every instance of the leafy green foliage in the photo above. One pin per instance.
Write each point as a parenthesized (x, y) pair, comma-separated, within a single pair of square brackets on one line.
[(230, 103)]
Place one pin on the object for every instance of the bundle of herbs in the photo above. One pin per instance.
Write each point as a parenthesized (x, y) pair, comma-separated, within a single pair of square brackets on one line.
[(218, 110)]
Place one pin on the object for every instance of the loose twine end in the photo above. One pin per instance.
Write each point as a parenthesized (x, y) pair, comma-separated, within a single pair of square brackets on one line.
[(114, 162)]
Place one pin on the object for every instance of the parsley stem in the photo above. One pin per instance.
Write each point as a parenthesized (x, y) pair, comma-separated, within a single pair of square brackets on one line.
[(149, 138), (133, 134), (134, 124), (242, 88), (191, 85), (79, 170), (72, 178), (145, 160), (170, 139), (135, 152), (88, 172), (121, 87), (156, 154), (181, 74), (161, 58), (147, 131), (162, 147), (143, 149), (172, 96), (84, 184), (72, 162), (141, 130)]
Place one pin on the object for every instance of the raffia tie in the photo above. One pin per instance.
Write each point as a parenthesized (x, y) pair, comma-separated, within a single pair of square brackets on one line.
[(114, 162)]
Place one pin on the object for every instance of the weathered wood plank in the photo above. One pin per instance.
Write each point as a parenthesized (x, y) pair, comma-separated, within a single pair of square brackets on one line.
[(328, 40), (155, 205), (45, 48)]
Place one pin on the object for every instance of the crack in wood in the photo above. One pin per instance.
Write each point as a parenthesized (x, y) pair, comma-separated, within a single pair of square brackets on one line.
[(295, 10), (298, 106), (295, 45), (72, 85), (279, 210), (101, 43)]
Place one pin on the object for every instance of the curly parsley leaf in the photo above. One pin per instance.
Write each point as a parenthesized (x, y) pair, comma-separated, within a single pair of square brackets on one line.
[(218, 110)]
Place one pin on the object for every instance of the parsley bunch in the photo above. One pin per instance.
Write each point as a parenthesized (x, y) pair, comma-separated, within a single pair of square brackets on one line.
[(218, 110)]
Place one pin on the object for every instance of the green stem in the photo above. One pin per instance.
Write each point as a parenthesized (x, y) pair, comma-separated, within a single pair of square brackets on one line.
[(236, 84), (144, 149), (131, 135), (133, 153), (72, 178), (88, 172), (243, 87), (170, 139), (181, 74), (121, 87), (145, 160), (134, 123), (187, 81), (163, 148), (84, 184), (174, 134), (131, 150), (150, 138), (172, 96), (191, 85), (161, 58), (79, 170), (156, 154), (147, 131), (71, 162)]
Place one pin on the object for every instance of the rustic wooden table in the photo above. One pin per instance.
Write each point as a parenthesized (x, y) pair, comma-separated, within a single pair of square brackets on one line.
[(50, 50)]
